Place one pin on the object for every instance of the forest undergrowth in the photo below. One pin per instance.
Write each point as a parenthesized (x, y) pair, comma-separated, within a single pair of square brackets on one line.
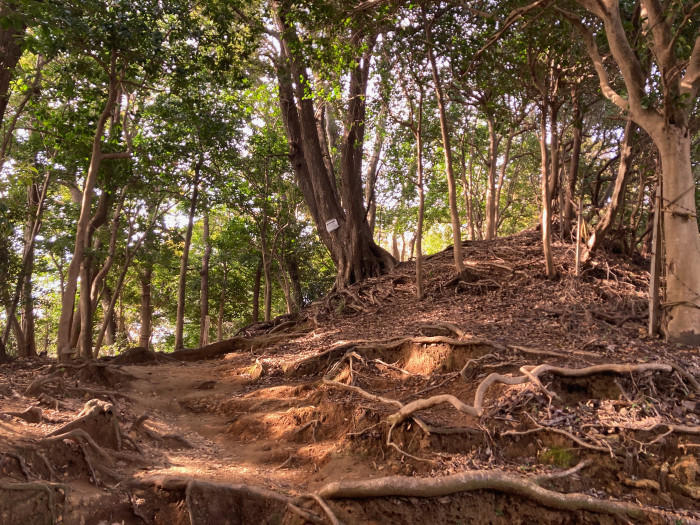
[(502, 397)]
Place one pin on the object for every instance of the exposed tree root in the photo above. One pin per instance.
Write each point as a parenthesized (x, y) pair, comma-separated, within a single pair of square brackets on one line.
[(477, 480), (331, 515), (98, 419), (44, 486), (234, 344), (371, 349), (30, 415)]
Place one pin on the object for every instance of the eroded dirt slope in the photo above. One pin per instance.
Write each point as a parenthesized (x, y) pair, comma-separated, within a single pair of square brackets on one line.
[(503, 397)]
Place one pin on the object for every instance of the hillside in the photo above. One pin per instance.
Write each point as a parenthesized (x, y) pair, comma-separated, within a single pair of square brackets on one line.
[(503, 397)]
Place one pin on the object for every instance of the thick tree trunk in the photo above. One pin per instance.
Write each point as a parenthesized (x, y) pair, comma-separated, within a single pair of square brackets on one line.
[(351, 245), (682, 241), (204, 284), (447, 150), (146, 311), (11, 40), (182, 281)]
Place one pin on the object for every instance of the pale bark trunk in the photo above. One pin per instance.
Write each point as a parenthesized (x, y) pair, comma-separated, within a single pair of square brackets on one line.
[(71, 284), (546, 201), (111, 331), (182, 281), (204, 284), (222, 299), (682, 242)]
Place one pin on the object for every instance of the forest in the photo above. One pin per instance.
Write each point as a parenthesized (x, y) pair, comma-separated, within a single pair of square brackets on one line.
[(368, 261)]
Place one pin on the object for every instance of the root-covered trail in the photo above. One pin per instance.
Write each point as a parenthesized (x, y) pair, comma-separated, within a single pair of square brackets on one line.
[(502, 397)]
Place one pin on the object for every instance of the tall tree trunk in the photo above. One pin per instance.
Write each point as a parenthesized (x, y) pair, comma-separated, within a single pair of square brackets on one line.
[(204, 284), (295, 281), (255, 314), (568, 211), (447, 150), (682, 242), (81, 235), (420, 292), (491, 181), (29, 348), (146, 311), (222, 304), (546, 201), (182, 282), (351, 245), (11, 43), (111, 331)]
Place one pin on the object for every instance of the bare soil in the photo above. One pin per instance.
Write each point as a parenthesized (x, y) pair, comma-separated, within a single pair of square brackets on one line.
[(329, 403)]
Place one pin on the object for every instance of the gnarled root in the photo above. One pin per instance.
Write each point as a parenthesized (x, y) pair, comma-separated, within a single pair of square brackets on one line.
[(476, 480)]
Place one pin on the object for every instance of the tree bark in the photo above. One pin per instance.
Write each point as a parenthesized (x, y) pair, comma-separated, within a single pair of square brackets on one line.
[(29, 347), (546, 221), (420, 292), (11, 40), (623, 171), (491, 181), (146, 311), (182, 281), (81, 236), (204, 284), (351, 245), (255, 314), (568, 212), (447, 150)]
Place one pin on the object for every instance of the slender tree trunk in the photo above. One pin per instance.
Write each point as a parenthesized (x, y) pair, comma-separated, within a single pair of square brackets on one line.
[(64, 327), (111, 331), (267, 296), (146, 311), (451, 187), (222, 299), (204, 284), (491, 181), (182, 282), (29, 348), (568, 211), (255, 315), (85, 340), (546, 200), (623, 171), (420, 292), (553, 153), (295, 281), (395, 245)]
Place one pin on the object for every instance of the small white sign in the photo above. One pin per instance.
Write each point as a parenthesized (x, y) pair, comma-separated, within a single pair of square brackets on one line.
[(331, 225)]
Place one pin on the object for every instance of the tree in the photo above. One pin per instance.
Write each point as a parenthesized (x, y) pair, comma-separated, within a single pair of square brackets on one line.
[(351, 243), (663, 111)]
